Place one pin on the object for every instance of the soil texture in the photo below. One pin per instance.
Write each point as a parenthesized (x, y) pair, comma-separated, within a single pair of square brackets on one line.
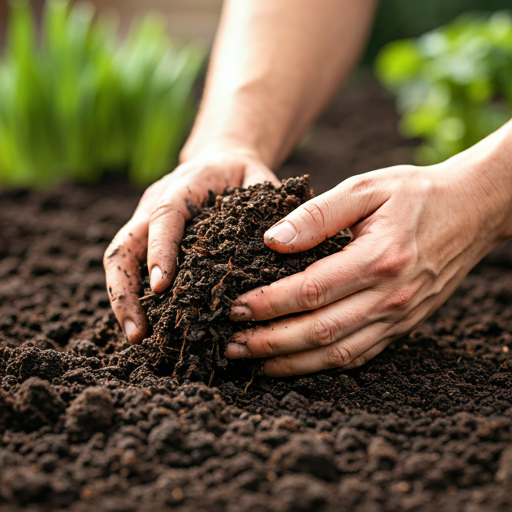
[(223, 256), (89, 422)]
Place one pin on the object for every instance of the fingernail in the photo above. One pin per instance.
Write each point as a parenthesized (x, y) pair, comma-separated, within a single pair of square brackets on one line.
[(282, 233), (129, 328), (236, 351), (239, 313), (156, 276)]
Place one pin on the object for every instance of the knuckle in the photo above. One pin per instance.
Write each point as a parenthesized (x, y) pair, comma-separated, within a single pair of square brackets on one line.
[(151, 190), (312, 293), (316, 210), (269, 306), (359, 361), (360, 185), (324, 332), (338, 356), (285, 366), (109, 256), (391, 264), (400, 299), (163, 209), (268, 346)]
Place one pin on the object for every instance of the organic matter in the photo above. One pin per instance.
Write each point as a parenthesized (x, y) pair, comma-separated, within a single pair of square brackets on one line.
[(222, 256)]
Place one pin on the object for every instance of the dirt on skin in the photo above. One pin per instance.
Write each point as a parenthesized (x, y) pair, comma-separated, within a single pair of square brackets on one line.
[(223, 256), (86, 422)]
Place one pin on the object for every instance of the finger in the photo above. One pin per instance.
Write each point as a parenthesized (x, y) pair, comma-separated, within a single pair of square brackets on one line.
[(167, 223), (325, 215), (358, 266), (369, 354), (166, 227), (396, 330), (318, 329), (337, 355), (122, 267)]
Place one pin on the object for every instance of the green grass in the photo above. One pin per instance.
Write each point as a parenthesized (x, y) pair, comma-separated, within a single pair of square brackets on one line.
[(453, 85), (78, 102)]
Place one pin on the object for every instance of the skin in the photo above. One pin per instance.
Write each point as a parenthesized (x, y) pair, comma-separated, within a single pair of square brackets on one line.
[(417, 231), (266, 83)]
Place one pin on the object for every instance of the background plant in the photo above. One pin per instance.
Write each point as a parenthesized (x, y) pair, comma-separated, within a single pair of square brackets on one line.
[(454, 84), (399, 19), (78, 102)]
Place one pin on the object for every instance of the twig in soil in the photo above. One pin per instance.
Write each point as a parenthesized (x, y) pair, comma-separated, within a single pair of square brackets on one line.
[(184, 341), (216, 300), (250, 382), (211, 379), (149, 296)]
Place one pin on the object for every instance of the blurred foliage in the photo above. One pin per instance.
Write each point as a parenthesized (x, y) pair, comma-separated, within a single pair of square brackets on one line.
[(398, 19), (78, 102), (454, 84)]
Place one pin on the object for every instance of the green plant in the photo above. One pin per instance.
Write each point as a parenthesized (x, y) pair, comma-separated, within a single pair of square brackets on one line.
[(79, 102), (454, 85)]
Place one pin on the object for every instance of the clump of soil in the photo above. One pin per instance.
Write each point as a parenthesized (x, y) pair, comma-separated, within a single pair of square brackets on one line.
[(223, 256)]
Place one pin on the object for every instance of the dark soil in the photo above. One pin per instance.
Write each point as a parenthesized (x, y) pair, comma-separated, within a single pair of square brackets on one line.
[(87, 422), (223, 256)]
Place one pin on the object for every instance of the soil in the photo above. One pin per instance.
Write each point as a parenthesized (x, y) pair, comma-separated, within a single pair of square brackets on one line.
[(223, 256), (88, 422)]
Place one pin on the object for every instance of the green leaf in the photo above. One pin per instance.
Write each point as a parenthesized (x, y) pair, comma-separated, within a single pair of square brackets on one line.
[(82, 102), (453, 85), (398, 62)]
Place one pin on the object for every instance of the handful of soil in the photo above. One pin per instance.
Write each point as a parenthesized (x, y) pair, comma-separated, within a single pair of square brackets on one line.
[(223, 256)]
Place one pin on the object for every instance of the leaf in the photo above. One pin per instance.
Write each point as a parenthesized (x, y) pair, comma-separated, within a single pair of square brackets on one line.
[(453, 85), (82, 102)]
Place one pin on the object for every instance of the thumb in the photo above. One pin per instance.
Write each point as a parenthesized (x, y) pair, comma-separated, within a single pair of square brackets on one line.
[(322, 217)]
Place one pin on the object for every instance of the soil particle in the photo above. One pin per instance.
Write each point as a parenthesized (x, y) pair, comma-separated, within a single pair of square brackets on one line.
[(166, 434), (300, 493), (305, 453), (92, 411), (37, 404), (504, 473)]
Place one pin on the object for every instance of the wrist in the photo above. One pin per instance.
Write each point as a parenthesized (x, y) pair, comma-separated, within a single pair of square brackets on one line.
[(238, 122), (485, 173), (196, 148)]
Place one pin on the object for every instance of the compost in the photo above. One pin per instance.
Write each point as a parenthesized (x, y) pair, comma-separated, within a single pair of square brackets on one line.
[(89, 422), (223, 256)]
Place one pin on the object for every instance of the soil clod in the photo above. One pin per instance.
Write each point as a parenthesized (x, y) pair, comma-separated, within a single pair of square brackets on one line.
[(222, 256)]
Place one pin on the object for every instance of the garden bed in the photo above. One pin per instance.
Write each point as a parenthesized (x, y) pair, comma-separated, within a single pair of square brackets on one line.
[(86, 422)]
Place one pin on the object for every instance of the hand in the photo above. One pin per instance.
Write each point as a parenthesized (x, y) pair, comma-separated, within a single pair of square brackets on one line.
[(417, 233), (156, 228)]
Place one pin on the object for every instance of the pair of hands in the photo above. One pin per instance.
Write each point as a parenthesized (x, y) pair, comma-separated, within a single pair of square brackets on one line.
[(417, 232)]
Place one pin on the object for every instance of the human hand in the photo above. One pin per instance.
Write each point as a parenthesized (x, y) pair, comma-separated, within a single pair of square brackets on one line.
[(417, 233), (156, 228)]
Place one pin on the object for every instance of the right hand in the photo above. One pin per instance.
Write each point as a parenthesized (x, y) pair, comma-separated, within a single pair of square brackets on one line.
[(156, 228)]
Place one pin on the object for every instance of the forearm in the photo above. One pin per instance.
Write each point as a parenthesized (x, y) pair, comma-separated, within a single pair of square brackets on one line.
[(275, 65)]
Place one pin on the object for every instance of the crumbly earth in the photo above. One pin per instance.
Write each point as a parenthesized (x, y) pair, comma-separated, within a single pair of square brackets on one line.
[(86, 422), (223, 256)]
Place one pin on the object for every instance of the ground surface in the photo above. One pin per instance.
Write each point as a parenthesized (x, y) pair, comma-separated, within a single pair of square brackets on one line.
[(86, 423)]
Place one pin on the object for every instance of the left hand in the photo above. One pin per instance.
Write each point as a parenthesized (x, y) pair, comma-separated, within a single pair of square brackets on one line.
[(417, 233)]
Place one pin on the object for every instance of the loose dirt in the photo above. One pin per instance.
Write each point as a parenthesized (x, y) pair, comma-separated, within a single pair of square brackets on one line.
[(87, 421)]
